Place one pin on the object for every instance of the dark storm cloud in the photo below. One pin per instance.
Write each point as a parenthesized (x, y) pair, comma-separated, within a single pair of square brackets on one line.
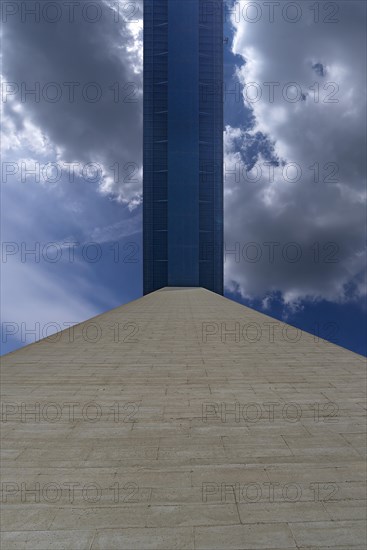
[(88, 82), (315, 197)]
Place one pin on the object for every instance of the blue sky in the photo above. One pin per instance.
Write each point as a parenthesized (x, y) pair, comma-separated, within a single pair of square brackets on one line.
[(294, 167)]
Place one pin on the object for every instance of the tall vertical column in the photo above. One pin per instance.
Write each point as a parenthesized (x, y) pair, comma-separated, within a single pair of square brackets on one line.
[(183, 143)]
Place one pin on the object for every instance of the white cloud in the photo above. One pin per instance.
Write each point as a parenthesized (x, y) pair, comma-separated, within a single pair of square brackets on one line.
[(325, 139), (102, 58)]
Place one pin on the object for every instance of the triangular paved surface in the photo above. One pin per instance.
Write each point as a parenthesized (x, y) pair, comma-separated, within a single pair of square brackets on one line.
[(190, 473)]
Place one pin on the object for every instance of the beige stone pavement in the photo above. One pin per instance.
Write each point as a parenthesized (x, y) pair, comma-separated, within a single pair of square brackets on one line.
[(183, 421)]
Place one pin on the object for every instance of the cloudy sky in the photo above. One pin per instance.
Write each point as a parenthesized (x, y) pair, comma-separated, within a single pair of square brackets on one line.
[(295, 111)]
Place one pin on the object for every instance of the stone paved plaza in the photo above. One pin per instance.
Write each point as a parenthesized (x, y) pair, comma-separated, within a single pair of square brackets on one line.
[(183, 421)]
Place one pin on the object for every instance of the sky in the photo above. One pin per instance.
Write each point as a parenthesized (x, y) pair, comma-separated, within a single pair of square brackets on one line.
[(294, 166)]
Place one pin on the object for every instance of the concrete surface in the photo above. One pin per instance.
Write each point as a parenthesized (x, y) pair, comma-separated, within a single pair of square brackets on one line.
[(183, 421)]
